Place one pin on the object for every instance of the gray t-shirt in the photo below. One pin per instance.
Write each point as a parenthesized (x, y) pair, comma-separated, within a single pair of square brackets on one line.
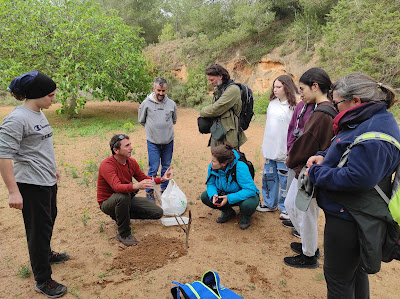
[(27, 138)]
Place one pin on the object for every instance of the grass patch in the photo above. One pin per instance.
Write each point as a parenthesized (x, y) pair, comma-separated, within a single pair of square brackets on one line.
[(94, 122), (24, 271)]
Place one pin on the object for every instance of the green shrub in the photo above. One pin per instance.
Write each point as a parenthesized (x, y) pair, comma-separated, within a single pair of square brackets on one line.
[(261, 103), (363, 36)]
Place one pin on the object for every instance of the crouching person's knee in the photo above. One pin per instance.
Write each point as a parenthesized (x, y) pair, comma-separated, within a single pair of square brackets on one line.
[(157, 212), (122, 199)]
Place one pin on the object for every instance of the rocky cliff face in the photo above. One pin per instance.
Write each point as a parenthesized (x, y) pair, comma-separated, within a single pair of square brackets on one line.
[(260, 75)]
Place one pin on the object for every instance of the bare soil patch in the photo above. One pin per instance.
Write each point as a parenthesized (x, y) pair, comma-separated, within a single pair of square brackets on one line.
[(249, 262), (154, 252)]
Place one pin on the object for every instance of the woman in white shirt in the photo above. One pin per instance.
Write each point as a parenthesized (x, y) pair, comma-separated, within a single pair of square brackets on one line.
[(274, 147)]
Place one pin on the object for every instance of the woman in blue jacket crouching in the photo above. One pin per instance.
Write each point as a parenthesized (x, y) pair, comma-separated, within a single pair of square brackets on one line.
[(358, 226), (229, 183)]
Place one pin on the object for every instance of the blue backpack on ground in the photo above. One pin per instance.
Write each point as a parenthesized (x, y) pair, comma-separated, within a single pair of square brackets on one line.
[(208, 288)]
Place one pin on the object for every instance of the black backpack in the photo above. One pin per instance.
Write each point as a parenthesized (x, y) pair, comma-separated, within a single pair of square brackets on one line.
[(232, 171), (327, 110), (247, 106)]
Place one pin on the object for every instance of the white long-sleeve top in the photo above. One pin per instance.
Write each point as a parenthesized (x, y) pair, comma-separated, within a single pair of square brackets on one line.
[(274, 143)]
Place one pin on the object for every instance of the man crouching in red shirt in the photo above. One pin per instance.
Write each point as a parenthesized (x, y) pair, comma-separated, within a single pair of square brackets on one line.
[(116, 191)]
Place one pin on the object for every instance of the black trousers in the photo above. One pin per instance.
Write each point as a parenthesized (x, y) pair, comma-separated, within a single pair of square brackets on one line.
[(125, 206), (39, 212), (344, 275)]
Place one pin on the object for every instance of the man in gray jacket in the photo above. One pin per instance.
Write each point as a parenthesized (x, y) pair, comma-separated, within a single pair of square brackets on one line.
[(157, 114)]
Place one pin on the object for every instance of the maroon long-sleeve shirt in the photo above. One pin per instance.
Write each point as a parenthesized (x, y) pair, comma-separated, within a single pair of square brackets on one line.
[(116, 178)]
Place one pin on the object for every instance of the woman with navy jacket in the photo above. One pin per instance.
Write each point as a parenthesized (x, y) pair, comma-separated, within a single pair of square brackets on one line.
[(358, 220), (229, 183)]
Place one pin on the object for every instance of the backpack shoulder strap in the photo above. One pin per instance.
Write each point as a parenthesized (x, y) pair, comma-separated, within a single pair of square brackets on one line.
[(370, 136), (327, 109), (232, 172), (364, 137)]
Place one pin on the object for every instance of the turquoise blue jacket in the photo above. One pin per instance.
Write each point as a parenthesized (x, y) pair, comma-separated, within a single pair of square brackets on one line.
[(243, 189)]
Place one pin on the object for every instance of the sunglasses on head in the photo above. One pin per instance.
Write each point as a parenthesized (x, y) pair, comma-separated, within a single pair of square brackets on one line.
[(120, 137)]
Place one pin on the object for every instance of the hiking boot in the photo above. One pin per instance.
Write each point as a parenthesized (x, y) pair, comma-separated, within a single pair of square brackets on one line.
[(244, 222), (298, 248), (57, 258), (51, 288), (296, 233), (284, 216), (150, 196), (226, 215), (127, 241), (301, 261), (287, 223), (263, 208)]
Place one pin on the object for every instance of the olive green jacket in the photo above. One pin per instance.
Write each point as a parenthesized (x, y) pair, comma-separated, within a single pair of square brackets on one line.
[(221, 106)]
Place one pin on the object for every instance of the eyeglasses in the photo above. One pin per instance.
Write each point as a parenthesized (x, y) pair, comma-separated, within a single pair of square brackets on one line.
[(335, 104), (120, 137)]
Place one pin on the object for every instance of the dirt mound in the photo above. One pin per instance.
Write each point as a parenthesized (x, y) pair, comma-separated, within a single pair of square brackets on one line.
[(154, 252)]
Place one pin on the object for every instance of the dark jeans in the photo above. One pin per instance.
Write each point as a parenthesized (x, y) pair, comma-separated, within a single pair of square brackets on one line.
[(39, 213), (247, 207), (123, 206), (344, 275), (159, 153)]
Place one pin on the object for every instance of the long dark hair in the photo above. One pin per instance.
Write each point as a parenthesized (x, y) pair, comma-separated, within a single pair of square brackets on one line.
[(223, 153), (289, 88), (319, 76), (216, 70)]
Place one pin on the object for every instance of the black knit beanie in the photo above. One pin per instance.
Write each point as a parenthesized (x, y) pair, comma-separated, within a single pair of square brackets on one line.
[(32, 85)]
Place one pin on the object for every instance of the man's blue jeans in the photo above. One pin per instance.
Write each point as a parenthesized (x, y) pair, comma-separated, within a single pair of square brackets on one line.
[(274, 174), (159, 153)]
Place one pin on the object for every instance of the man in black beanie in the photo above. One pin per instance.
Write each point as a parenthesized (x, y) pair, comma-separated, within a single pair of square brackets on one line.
[(27, 139)]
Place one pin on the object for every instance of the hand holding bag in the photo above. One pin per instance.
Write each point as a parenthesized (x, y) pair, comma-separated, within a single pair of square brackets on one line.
[(173, 200), (218, 131)]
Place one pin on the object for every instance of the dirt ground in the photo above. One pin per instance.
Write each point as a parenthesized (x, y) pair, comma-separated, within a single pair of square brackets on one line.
[(249, 262)]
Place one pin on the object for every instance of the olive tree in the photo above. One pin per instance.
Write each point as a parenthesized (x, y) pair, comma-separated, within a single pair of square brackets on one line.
[(78, 44)]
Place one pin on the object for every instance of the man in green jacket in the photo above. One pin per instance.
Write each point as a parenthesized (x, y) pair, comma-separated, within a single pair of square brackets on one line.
[(226, 104)]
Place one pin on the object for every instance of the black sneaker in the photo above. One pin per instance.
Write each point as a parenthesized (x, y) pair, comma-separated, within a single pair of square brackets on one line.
[(287, 223), (302, 261), (244, 222), (298, 248), (226, 215), (57, 258), (51, 288), (296, 233)]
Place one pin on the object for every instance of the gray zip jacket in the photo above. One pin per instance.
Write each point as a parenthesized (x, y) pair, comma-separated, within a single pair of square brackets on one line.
[(158, 119)]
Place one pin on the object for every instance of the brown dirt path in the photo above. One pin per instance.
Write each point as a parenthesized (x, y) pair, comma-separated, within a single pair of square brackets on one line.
[(249, 262)]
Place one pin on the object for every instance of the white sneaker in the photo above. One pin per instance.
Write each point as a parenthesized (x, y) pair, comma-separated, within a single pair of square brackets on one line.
[(263, 208), (284, 216)]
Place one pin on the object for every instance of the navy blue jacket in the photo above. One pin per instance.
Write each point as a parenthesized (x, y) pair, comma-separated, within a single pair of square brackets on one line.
[(243, 189), (368, 162)]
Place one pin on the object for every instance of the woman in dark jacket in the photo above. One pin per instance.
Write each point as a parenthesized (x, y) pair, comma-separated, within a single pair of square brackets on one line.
[(347, 195), (229, 183)]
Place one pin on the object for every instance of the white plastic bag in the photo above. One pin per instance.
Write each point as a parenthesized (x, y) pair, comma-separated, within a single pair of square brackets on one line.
[(173, 200)]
